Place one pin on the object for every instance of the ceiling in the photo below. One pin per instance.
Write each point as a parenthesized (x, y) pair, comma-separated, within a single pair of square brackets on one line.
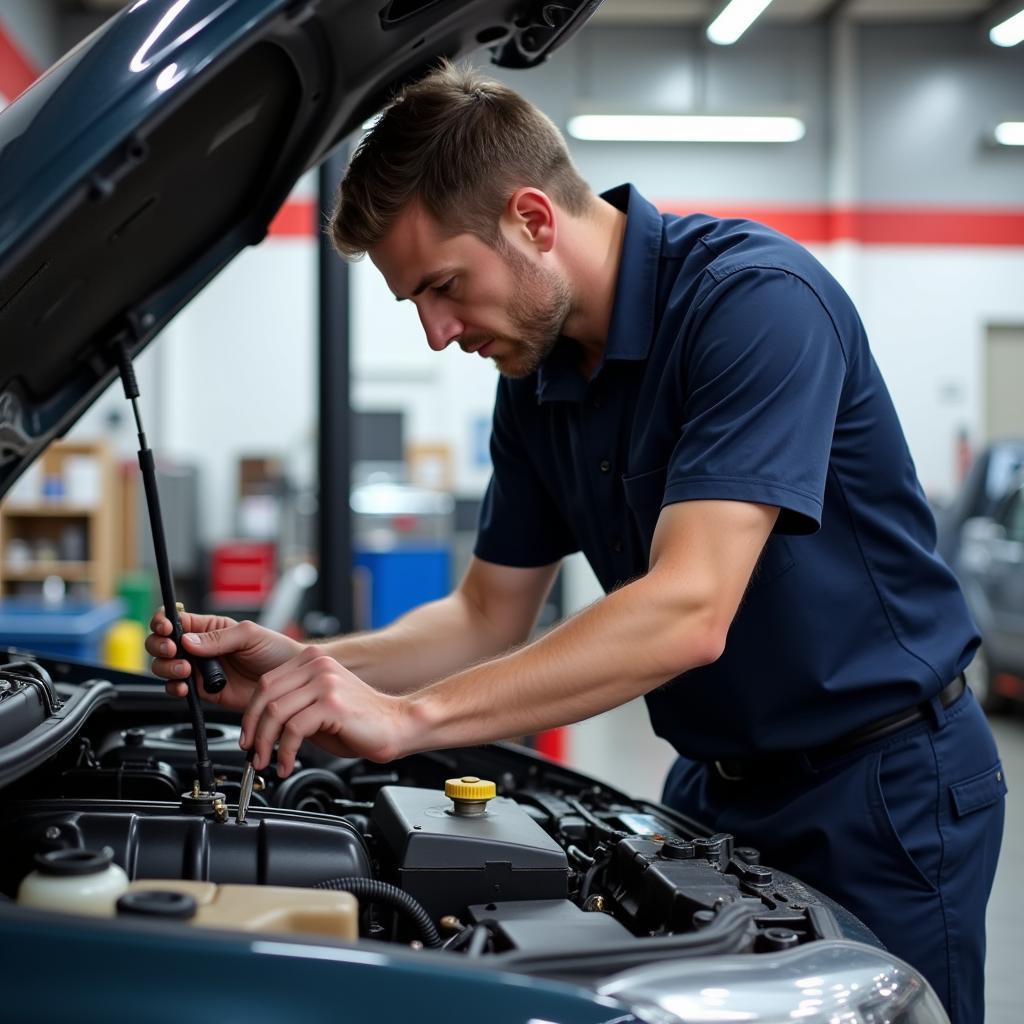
[(702, 11)]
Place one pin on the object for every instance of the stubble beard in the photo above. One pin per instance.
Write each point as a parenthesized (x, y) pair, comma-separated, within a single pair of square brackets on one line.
[(540, 306)]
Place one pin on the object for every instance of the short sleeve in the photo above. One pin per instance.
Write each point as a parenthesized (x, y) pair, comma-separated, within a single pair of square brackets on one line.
[(520, 524), (765, 370)]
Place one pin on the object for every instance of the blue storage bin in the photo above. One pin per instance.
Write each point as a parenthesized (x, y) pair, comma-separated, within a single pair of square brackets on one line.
[(72, 629), (401, 580)]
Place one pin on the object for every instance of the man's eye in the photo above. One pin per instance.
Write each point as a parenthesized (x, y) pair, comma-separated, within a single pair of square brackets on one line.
[(443, 289)]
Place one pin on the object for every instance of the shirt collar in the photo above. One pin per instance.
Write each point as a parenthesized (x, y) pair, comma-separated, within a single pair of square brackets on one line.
[(632, 324)]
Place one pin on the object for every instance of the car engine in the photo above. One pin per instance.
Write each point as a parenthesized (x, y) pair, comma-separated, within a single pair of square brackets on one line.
[(490, 852)]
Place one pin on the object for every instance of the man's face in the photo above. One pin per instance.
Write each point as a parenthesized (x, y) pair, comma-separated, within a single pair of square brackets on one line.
[(495, 301)]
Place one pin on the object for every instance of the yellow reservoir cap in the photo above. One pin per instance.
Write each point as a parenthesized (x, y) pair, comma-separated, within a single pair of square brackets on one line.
[(469, 787)]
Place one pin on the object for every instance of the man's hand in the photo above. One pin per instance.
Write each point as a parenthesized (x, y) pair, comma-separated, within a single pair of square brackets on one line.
[(312, 696), (245, 650)]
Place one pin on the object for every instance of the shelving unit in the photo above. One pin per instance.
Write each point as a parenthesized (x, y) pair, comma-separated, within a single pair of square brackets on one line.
[(61, 531)]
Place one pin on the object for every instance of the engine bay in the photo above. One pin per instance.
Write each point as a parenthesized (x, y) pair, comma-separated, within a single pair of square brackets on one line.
[(545, 872)]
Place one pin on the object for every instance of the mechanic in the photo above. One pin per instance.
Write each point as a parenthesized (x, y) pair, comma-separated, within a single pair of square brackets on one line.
[(693, 404)]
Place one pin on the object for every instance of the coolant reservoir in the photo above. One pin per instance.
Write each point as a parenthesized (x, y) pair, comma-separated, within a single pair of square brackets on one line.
[(252, 908), (75, 882)]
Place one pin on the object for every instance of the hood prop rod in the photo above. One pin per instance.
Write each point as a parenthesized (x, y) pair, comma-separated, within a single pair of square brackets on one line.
[(214, 679)]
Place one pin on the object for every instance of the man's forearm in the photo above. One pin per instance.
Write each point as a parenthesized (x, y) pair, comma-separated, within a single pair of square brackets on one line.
[(431, 642), (619, 648)]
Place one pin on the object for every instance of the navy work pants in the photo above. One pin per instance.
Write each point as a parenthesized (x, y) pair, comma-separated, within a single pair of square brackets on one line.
[(904, 832)]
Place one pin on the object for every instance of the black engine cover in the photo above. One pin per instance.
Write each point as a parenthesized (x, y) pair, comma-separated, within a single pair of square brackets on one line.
[(158, 841)]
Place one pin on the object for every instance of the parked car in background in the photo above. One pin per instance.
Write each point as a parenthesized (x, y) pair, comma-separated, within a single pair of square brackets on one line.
[(982, 537)]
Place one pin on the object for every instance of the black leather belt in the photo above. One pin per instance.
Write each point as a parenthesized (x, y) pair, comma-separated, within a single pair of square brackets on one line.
[(787, 764)]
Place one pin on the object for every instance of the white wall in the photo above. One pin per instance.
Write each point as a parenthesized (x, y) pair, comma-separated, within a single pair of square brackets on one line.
[(240, 377), (928, 334), (444, 395), (234, 374)]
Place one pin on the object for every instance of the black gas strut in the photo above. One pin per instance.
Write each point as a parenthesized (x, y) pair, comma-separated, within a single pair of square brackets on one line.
[(214, 679)]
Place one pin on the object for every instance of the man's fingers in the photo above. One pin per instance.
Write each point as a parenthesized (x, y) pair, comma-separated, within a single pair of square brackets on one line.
[(177, 689), (299, 727), (298, 663), (277, 718), (271, 687), (160, 623), (164, 668), (216, 641), (160, 646), (289, 675)]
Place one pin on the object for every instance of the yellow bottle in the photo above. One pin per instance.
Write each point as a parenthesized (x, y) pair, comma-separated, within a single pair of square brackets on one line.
[(123, 646)]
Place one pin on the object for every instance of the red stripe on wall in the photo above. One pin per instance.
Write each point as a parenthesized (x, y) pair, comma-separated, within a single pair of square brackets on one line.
[(925, 226), (806, 224), (297, 218), (17, 72), (868, 225), (879, 225)]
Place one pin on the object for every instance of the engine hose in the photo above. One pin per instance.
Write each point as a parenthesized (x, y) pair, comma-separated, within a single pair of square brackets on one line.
[(592, 819), (459, 939), (598, 865), (381, 892)]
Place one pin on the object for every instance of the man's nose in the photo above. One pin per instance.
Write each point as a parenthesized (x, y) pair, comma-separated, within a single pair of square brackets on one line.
[(440, 328)]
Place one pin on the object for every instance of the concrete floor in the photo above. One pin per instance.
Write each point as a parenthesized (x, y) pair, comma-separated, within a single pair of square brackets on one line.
[(640, 761)]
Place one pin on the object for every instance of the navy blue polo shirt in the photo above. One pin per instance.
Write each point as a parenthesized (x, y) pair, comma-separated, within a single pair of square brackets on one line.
[(737, 368)]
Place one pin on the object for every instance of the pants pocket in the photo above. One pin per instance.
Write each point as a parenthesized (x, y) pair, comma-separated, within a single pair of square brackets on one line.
[(979, 791), (904, 805)]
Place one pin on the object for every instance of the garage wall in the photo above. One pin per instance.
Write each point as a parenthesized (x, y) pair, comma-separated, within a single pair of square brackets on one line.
[(924, 95), (928, 97), (32, 27), (667, 70), (928, 93), (234, 374), (902, 140)]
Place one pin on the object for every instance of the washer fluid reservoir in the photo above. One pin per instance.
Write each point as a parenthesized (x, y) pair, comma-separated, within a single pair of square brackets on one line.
[(74, 882)]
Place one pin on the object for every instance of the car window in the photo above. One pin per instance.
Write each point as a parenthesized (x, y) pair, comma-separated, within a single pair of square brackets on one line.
[(1013, 516), (1005, 463)]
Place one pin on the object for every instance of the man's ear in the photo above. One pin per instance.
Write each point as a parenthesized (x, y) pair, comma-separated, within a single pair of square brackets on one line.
[(531, 218)]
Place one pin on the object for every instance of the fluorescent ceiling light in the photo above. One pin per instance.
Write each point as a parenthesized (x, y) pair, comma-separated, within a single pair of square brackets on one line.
[(684, 128), (1009, 32), (737, 17), (1010, 133)]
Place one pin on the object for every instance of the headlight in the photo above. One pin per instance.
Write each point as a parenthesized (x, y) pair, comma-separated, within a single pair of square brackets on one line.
[(820, 983)]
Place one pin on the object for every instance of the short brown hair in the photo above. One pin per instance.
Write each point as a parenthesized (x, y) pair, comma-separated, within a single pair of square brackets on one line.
[(460, 144)]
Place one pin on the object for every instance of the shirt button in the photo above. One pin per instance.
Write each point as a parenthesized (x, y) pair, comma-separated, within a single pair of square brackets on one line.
[(595, 402), (617, 545), (605, 465)]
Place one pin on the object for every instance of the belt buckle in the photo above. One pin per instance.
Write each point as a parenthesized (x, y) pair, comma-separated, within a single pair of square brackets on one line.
[(727, 775)]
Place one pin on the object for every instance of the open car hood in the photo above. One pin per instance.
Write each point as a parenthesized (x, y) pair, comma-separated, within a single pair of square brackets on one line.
[(140, 164)]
